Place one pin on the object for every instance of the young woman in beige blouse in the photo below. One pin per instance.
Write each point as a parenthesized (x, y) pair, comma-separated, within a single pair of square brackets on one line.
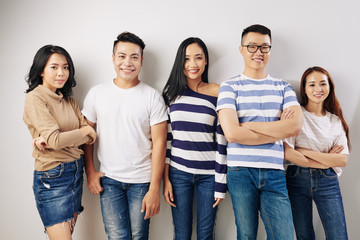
[(58, 129)]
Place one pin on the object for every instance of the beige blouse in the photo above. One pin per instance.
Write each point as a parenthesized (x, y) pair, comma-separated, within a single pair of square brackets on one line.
[(58, 121)]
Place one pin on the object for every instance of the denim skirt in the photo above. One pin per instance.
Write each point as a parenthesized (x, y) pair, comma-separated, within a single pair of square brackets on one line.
[(58, 192)]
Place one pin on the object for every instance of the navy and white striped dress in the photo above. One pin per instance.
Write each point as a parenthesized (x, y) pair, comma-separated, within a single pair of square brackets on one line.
[(192, 124)]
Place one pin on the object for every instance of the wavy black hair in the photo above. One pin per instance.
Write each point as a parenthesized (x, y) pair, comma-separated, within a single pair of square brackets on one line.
[(177, 82), (42, 56)]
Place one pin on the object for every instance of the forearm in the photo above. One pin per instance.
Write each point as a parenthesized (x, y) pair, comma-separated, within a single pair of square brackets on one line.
[(328, 159), (88, 157), (234, 133), (157, 167), (280, 129), (59, 140), (299, 159)]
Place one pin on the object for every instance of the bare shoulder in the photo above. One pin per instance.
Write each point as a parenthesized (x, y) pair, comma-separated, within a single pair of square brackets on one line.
[(213, 89)]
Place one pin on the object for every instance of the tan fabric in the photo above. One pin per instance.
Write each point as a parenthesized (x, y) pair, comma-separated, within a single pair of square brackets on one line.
[(58, 121)]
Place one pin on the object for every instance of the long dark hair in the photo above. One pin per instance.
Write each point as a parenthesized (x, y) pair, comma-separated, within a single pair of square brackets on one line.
[(176, 84), (331, 103), (42, 56)]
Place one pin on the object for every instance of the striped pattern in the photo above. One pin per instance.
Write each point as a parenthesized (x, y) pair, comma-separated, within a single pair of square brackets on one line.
[(256, 100), (191, 145), (320, 134)]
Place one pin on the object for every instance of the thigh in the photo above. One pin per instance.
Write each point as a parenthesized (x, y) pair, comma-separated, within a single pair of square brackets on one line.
[(183, 191), (135, 195), (114, 209), (329, 203), (299, 188), (205, 185), (245, 199), (275, 205)]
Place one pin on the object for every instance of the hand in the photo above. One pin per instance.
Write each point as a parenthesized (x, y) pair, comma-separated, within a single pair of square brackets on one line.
[(88, 130), (92, 134), (168, 193), (151, 203), (287, 114), (217, 201), (337, 149), (40, 143), (93, 182)]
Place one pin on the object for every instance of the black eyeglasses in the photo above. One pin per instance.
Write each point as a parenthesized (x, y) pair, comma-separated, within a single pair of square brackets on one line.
[(254, 48)]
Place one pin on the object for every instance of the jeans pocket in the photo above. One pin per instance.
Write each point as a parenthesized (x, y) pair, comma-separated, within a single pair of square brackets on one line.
[(234, 169), (292, 171), (328, 173), (53, 173)]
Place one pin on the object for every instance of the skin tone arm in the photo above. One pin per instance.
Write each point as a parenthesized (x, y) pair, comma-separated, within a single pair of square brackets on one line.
[(299, 159), (93, 176), (281, 129), (151, 201), (167, 189), (331, 159), (235, 133)]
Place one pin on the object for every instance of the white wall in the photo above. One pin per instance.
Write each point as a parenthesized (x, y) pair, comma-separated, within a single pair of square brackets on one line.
[(305, 33)]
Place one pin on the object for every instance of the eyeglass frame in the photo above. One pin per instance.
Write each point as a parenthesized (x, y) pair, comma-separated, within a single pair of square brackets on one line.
[(257, 48)]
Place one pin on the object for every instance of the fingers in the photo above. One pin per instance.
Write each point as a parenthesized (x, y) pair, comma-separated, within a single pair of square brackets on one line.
[(287, 114), (169, 198), (337, 149), (217, 202), (94, 184)]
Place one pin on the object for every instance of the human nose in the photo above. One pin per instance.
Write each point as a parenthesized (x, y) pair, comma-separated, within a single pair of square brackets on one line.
[(60, 72), (258, 50), (192, 63)]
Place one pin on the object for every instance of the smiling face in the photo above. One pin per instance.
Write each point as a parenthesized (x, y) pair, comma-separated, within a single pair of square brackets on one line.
[(127, 61), (317, 87), (56, 72), (255, 63), (195, 62)]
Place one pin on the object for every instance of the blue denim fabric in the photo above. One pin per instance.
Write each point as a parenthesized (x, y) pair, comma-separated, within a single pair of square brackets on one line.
[(253, 190), (322, 186), (58, 192), (184, 186), (121, 210)]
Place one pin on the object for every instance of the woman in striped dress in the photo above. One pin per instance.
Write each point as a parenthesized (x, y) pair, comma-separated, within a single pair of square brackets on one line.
[(319, 152), (191, 147)]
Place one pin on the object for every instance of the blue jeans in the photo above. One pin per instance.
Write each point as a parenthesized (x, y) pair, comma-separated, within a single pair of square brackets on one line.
[(322, 186), (184, 186), (121, 210), (253, 190)]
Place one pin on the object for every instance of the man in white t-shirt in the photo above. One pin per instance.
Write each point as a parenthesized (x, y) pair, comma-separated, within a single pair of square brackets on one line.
[(130, 119)]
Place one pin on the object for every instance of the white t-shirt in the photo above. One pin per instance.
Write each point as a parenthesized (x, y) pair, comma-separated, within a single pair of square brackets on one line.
[(320, 134), (123, 120)]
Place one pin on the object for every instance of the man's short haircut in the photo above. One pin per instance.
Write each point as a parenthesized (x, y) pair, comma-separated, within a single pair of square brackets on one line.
[(256, 28), (129, 37)]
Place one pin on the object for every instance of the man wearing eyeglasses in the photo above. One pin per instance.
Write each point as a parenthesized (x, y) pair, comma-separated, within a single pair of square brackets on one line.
[(250, 107)]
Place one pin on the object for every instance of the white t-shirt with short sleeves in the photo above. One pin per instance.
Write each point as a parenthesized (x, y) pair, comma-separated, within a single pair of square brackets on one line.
[(123, 120), (320, 134)]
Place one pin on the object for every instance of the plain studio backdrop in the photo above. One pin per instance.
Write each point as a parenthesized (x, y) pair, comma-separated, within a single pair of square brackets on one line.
[(305, 33)]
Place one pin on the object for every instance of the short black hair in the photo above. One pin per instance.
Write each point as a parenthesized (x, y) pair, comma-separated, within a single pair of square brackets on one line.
[(256, 28), (42, 56), (129, 37)]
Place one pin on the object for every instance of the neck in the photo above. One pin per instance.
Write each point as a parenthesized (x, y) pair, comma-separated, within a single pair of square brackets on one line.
[(126, 84), (255, 73), (194, 84), (315, 109)]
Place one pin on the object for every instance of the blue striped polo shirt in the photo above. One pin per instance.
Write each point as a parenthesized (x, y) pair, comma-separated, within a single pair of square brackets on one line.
[(256, 100)]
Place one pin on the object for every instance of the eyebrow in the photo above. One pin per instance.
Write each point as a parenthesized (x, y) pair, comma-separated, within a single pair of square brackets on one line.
[(198, 54), (132, 54), (254, 43)]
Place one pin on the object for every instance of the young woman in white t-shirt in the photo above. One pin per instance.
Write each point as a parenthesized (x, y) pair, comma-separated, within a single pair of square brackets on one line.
[(319, 152)]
